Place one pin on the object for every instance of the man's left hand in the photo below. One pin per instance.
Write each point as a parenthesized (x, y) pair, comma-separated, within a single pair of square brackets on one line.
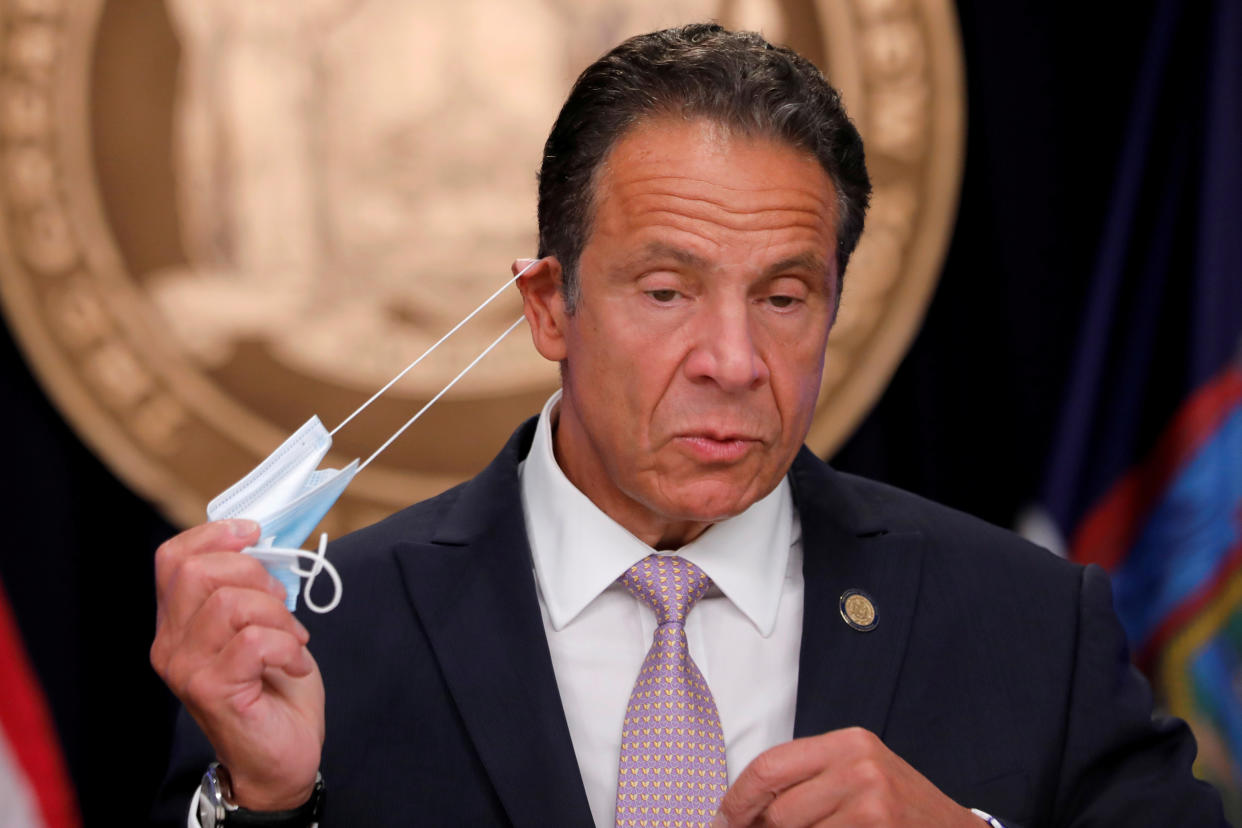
[(842, 778)]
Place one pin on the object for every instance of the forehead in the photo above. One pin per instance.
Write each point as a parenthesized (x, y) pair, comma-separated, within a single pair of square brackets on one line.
[(700, 173)]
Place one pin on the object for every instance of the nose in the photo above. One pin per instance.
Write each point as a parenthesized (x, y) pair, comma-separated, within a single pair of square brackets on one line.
[(725, 351)]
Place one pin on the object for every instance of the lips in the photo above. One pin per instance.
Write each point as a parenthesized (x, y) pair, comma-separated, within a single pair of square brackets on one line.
[(717, 447), (721, 436)]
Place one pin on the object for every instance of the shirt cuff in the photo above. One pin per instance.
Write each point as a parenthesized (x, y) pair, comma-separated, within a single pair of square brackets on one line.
[(992, 821)]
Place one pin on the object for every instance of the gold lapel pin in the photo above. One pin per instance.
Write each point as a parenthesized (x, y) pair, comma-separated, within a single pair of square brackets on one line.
[(858, 610)]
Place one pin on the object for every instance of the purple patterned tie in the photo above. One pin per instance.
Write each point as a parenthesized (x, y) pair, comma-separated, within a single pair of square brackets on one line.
[(672, 748)]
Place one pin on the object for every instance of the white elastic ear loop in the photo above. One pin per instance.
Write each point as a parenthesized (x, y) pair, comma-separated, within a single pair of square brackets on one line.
[(437, 344), (280, 556), (322, 564), (441, 392)]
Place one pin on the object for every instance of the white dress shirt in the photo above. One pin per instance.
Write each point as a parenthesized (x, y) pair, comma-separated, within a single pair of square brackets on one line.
[(744, 634)]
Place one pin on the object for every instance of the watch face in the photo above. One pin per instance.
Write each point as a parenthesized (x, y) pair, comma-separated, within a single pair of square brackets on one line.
[(206, 813), (211, 808)]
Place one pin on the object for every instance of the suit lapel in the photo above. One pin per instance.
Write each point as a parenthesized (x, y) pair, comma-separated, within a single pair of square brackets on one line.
[(473, 589), (847, 677)]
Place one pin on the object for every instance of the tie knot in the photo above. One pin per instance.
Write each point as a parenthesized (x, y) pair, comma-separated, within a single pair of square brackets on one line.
[(668, 584)]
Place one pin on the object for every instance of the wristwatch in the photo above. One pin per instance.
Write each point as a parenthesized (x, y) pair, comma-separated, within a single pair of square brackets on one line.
[(216, 808)]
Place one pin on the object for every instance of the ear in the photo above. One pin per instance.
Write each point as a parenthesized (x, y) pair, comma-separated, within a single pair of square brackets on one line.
[(544, 305)]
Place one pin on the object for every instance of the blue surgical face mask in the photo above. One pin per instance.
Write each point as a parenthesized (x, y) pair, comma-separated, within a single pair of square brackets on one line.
[(288, 494)]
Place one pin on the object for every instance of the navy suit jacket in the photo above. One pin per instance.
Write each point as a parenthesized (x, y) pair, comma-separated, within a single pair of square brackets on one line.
[(996, 669)]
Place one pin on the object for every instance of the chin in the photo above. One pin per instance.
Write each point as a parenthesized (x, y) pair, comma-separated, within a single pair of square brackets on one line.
[(710, 504)]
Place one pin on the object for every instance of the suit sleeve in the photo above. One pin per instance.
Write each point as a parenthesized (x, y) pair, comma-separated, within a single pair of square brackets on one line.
[(1121, 765), (191, 754)]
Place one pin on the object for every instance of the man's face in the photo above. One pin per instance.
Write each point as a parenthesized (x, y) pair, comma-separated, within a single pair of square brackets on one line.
[(693, 359)]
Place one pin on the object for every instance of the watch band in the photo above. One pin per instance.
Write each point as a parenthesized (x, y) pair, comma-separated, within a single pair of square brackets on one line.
[(992, 821), (218, 810)]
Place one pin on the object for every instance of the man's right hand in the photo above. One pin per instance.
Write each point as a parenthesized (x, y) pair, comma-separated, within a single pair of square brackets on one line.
[(228, 648)]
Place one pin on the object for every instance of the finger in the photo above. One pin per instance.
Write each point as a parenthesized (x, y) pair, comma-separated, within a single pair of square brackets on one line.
[(236, 673), (215, 536), (770, 773), (788, 764), (202, 574), (197, 578), (225, 613), (805, 803), (256, 649)]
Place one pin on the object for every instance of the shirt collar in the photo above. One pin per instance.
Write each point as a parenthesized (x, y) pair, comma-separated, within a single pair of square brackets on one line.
[(579, 551)]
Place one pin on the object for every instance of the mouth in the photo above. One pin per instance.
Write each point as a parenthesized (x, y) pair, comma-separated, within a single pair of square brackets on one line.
[(717, 447)]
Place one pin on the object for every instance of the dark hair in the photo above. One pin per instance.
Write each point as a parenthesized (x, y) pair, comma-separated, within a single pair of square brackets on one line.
[(736, 79)]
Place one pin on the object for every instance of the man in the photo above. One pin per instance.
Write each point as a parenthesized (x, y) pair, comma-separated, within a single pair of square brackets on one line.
[(510, 652)]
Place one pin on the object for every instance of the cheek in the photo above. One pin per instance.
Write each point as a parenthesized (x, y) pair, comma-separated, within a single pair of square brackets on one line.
[(639, 365), (797, 386), (612, 370)]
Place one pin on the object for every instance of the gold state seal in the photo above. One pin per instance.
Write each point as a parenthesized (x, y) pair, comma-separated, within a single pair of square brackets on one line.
[(221, 217)]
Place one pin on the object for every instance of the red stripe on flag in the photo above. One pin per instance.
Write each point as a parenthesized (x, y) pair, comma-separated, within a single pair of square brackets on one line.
[(27, 725), (1107, 533)]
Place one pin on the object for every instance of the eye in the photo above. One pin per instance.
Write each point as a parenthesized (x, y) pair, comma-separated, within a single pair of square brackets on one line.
[(663, 295), (785, 293)]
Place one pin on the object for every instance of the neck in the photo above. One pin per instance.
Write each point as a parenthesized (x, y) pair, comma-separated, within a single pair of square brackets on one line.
[(675, 535)]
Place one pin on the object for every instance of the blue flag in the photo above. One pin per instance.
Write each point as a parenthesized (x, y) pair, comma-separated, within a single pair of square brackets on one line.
[(1145, 477)]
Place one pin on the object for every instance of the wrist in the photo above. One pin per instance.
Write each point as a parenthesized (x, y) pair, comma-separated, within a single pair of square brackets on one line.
[(217, 807), (246, 794)]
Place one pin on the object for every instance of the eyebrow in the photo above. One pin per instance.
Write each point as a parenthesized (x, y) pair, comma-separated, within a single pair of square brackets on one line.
[(661, 250), (803, 261)]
